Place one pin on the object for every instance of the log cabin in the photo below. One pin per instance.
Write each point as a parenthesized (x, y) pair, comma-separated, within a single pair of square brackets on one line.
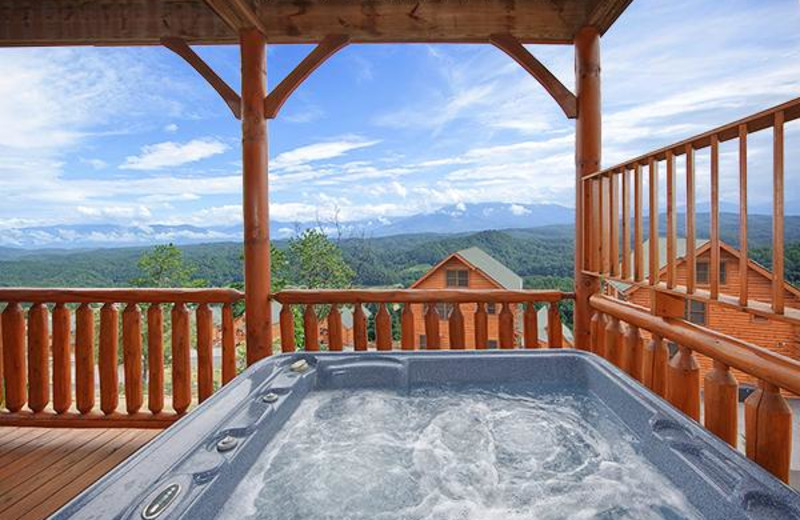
[(777, 336), (474, 269)]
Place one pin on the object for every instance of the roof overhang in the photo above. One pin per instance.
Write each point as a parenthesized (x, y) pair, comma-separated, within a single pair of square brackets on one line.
[(146, 22)]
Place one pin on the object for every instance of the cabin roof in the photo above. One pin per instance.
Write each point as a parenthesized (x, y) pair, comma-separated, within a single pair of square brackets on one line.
[(477, 258), (146, 22)]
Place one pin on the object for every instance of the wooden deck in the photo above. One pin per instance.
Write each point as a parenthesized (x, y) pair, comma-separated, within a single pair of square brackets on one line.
[(41, 469)]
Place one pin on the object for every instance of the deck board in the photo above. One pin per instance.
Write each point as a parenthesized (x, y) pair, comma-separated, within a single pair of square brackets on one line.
[(41, 469)]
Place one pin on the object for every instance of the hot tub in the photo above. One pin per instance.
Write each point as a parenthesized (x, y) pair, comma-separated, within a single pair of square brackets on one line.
[(439, 435)]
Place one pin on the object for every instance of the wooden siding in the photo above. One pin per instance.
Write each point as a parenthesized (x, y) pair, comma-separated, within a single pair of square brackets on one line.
[(477, 280), (778, 336), (41, 469)]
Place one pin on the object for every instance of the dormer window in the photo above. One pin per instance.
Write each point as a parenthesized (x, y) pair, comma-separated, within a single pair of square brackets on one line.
[(704, 273)]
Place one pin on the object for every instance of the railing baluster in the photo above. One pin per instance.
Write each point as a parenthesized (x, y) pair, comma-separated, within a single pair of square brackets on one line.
[(595, 325), (721, 399), (613, 350), (649, 360), (383, 328), (660, 362), (107, 359), (456, 329), (84, 358), (229, 341), (713, 268), (407, 327), (155, 358), (311, 328), (14, 361), (62, 361), (506, 322), (638, 224), (613, 221), (38, 362), (626, 224), (132, 356), (531, 326), (597, 225), (287, 329), (683, 383), (605, 224), (691, 261), (777, 216), (743, 263), (633, 348), (432, 340), (359, 328), (768, 423), (555, 336), (181, 359), (654, 266), (481, 327), (205, 355), (672, 228), (335, 329)]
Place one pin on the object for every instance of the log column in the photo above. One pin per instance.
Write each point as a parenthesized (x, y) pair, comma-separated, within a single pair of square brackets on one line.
[(255, 199), (587, 161)]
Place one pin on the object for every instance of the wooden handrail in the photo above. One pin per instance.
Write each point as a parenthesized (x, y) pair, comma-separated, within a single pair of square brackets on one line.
[(342, 296), (132, 295), (754, 123), (757, 361)]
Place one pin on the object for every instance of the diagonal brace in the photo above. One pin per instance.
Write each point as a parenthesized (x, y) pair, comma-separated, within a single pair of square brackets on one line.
[(326, 48), (561, 94), (182, 49)]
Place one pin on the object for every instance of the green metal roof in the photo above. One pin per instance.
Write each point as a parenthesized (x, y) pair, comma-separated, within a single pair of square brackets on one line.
[(498, 272)]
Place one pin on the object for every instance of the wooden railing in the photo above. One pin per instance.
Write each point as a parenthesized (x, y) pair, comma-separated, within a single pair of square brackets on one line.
[(415, 314), (30, 350), (635, 337), (616, 335)]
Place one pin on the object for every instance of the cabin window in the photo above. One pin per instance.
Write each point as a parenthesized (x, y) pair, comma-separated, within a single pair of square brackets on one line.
[(704, 272), (423, 341), (491, 308), (492, 343), (457, 278), (696, 312), (444, 310)]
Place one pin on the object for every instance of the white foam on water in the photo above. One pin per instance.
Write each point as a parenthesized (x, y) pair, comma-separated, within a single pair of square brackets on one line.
[(444, 454)]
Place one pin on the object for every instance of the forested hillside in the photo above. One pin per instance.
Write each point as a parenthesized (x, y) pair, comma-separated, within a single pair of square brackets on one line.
[(543, 256)]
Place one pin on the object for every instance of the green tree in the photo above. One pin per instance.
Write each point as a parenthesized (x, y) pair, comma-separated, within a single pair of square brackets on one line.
[(316, 262), (164, 266)]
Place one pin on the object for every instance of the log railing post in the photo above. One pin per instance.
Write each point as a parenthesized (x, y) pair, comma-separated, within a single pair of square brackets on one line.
[(407, 328), (155, 358), (432, 339), (721, 403), (359, 328), (613, 350), (555, 334), (383, 328), (587, 161), (531, 326), (481, 327), (14, 360), (205, 355), (38, 358), (768, 423), (181, 359), (334, 329), (84, 358), (107, 359), (506, 324), (255, 196), (456, 328), (311, 328), (62, 359), (132, 356), (229, 342), (633, 352), (287, 329), (683, 383)]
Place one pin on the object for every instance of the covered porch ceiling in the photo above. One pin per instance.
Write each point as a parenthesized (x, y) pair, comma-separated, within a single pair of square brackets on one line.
[(147, 22)]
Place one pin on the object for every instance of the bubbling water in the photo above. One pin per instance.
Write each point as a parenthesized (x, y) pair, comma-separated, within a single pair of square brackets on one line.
[(443, 454)]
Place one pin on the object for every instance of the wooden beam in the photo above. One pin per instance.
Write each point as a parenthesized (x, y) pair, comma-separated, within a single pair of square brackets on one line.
[(145, 22), (561, 94), (327, 48), (237, 14), (255, 203), (228, 95)]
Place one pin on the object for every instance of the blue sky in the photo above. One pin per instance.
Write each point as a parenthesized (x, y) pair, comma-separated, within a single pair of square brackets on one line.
[(133, 136)]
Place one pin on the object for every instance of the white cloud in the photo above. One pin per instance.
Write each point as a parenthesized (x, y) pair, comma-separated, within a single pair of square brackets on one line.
[(304, 155), (97, 164), (169, 154), (518, 210), (171, 128)]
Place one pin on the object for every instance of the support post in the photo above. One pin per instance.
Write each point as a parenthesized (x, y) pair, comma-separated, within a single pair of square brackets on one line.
[(587, 161), (255, 199)]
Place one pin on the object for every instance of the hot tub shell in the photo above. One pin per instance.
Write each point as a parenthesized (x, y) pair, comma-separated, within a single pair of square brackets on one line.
[(191, 469)]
